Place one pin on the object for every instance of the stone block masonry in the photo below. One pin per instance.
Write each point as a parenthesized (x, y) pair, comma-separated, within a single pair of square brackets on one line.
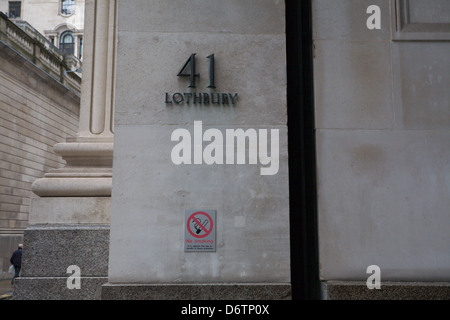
[(36, 112)]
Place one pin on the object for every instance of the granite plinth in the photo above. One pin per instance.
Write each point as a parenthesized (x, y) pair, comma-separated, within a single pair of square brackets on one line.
[(357, 290), (54, 288), (213, 291), (48, 252), (50, 249)]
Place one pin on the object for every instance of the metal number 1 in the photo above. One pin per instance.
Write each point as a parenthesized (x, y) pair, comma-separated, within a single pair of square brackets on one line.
[(211, 71)]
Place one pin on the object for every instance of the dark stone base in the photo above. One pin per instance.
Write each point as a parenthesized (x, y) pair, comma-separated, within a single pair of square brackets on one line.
[(48, 252), (357, 290), (245, 291), (56, 289), (50, 249)]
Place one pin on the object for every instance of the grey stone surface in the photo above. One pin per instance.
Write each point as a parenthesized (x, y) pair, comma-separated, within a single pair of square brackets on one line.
[(422, 98), (48, 252), (346, 20), (430, 11), (150, 192), (382, 137), (384, 201), (156, 196), (349, 94), (336, 290), (70, 210), (202, 16), (50, 249), (55, 288), (196, 292)]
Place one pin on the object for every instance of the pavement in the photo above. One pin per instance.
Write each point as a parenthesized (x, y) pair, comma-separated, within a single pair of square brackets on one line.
[(6, 289)]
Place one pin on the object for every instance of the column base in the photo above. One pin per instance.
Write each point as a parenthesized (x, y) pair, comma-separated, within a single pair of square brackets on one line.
[(357, 290), (55, 288), (209, 291), (49, 251), (73, 186), (88, 172)]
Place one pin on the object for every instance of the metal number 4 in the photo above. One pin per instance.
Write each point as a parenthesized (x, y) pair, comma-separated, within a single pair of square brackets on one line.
[(191, 73)]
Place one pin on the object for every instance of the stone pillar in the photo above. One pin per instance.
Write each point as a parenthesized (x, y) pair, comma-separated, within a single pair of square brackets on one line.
[(235, 55), (69, 221), (88, 172)]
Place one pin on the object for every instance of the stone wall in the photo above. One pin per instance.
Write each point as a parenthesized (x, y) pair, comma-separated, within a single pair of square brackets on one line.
[(36, 112), (252, 222), (383, 140)]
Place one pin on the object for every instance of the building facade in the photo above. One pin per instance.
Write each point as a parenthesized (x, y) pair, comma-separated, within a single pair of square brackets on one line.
[(55, 28), (39, 106), (60, 21), (351, 202)]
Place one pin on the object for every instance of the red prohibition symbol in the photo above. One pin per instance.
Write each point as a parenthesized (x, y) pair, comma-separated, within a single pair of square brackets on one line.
[(200, 224)]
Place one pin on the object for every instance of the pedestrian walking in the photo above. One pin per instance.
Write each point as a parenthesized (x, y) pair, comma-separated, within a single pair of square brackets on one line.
[(16, 261)]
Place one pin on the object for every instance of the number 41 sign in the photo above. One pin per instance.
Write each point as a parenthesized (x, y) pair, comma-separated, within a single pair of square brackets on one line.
[(210, 97), (192, 75)]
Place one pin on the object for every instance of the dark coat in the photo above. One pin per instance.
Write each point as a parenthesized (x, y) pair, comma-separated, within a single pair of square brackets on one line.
[(16, 258)]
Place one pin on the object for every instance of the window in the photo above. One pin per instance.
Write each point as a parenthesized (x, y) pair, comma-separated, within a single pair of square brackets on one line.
[(67, 7), (14, 9), (80, 50), (67, 42)]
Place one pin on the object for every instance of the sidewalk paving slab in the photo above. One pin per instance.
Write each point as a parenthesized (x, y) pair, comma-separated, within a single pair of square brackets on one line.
[(6, 289)]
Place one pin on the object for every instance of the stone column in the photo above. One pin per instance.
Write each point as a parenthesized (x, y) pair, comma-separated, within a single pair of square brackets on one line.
[(236, 83), (70, 218), (89, 154)]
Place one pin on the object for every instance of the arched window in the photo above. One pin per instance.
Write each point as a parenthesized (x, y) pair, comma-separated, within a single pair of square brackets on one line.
[(67, 42), (67, 7)]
